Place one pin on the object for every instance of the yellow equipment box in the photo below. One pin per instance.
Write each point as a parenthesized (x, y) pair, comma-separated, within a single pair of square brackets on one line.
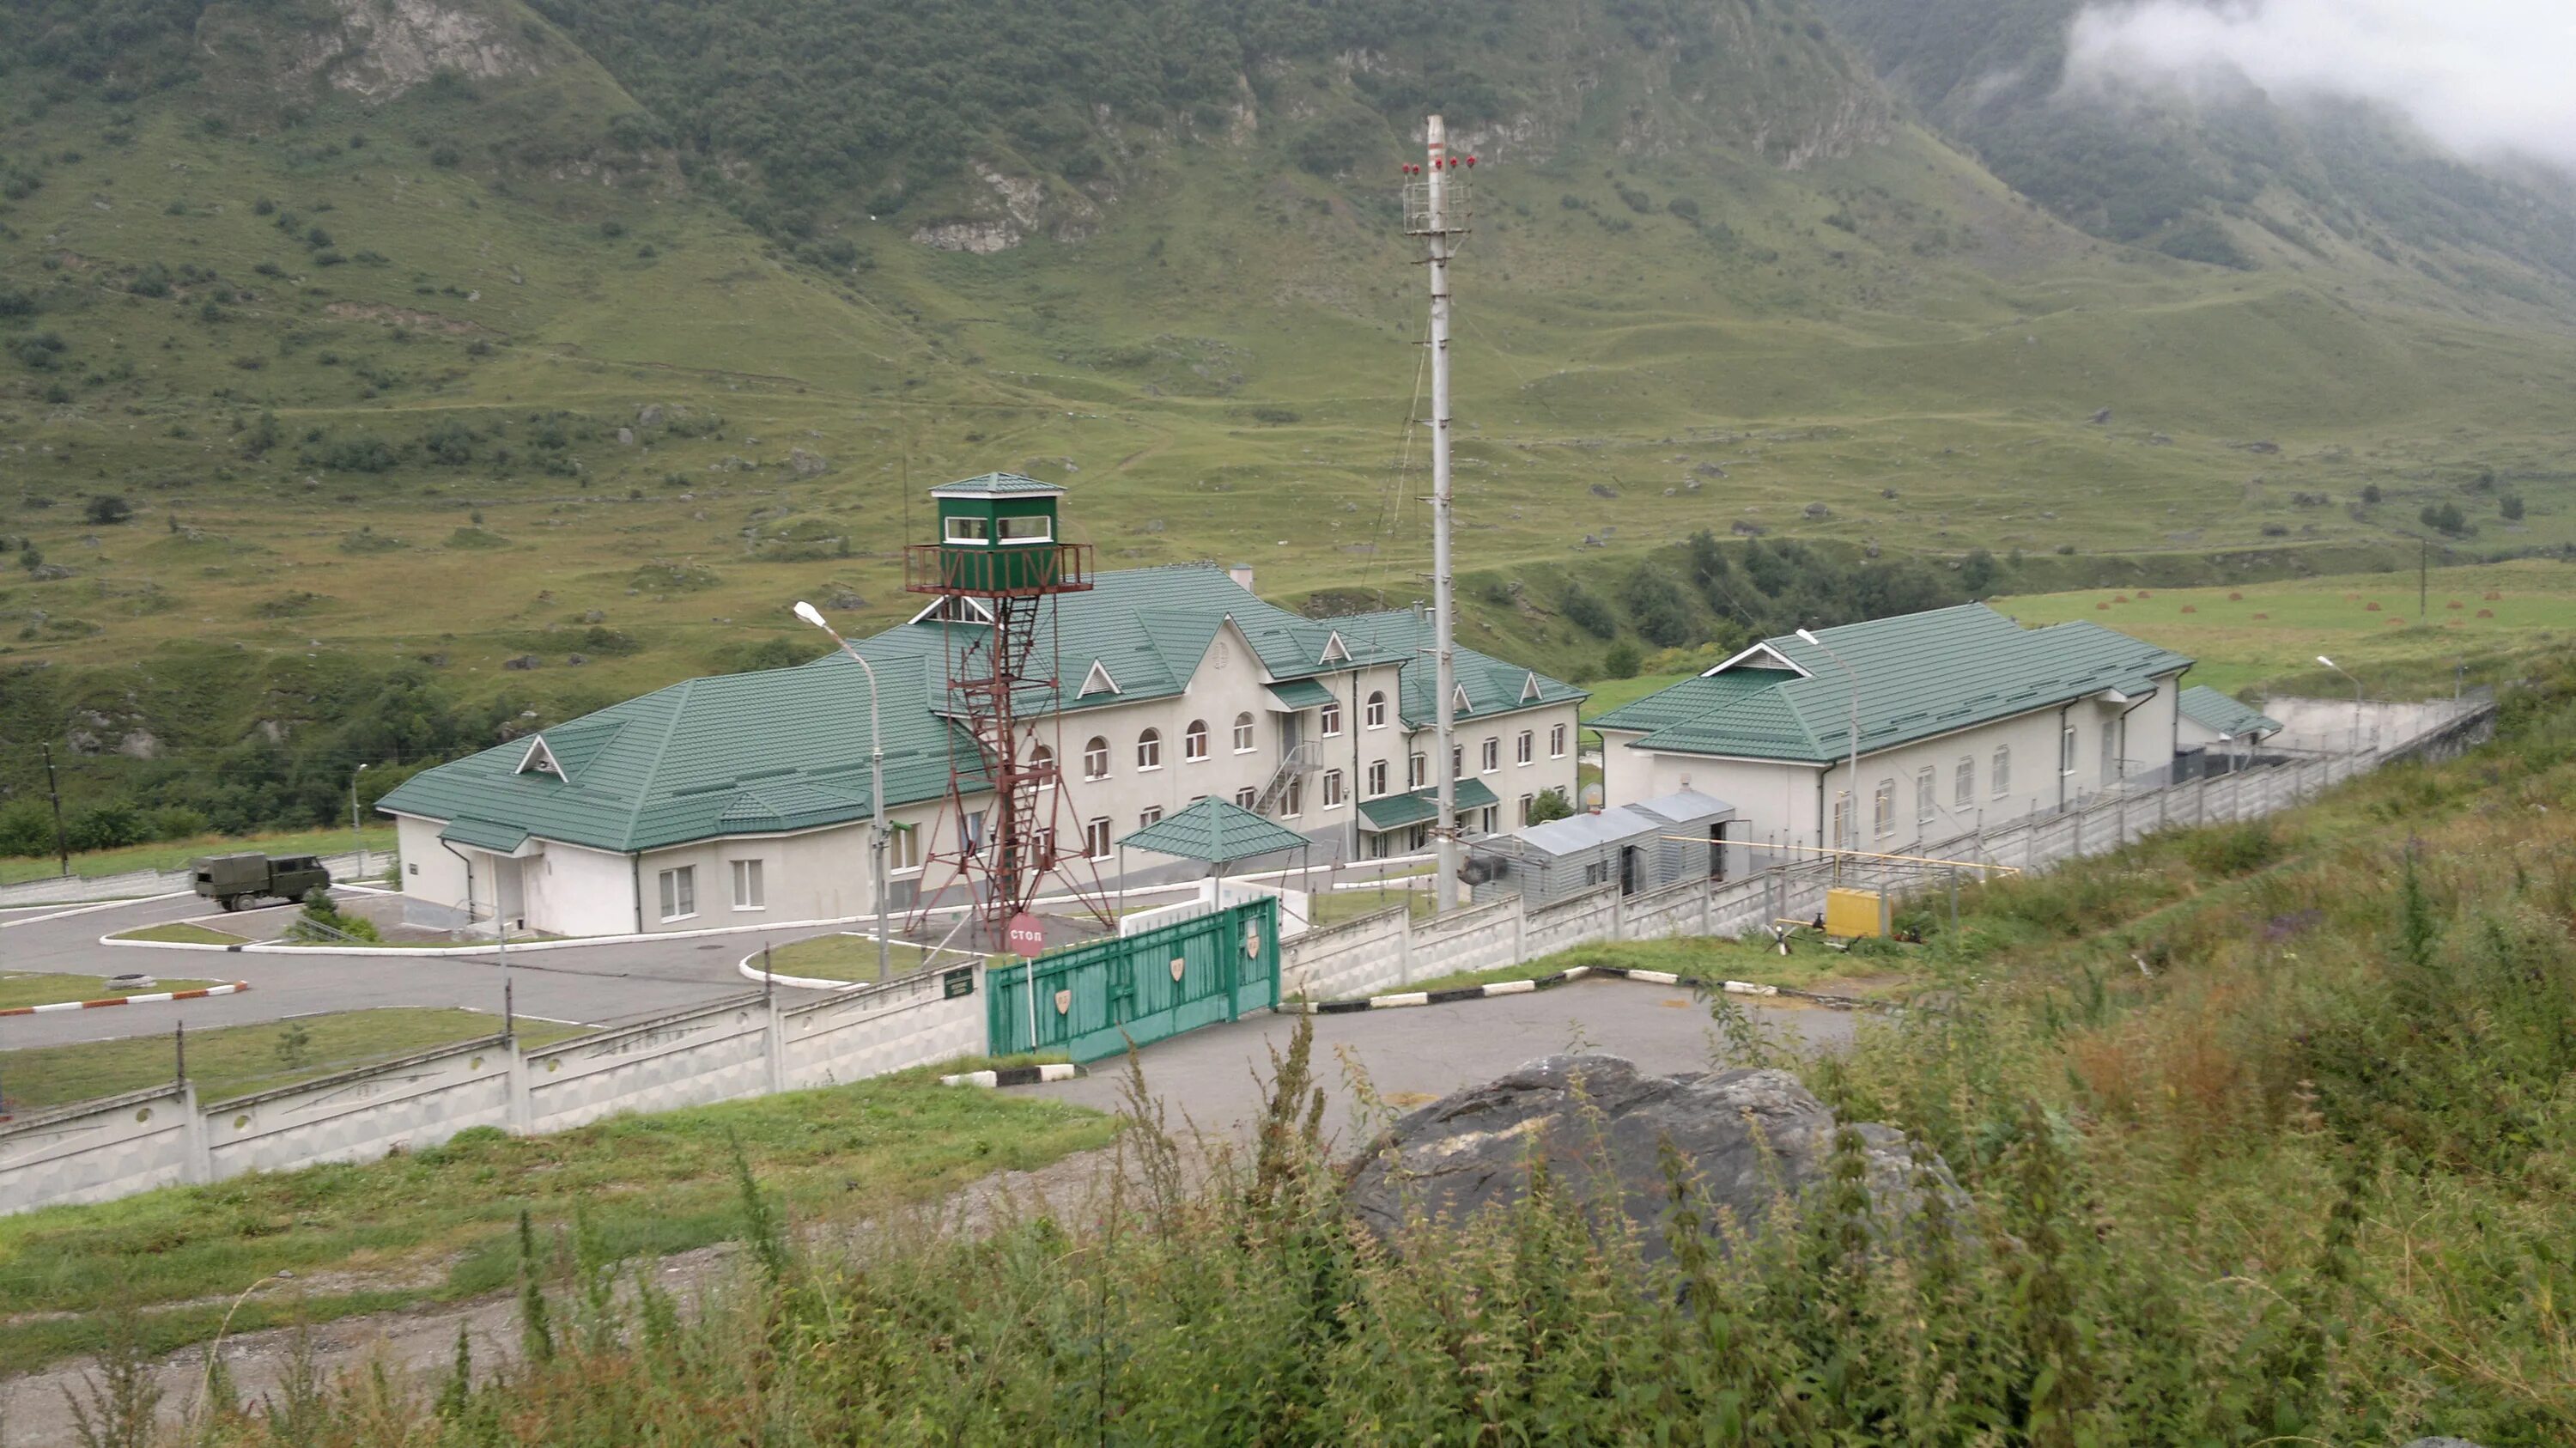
[(1854, 914)]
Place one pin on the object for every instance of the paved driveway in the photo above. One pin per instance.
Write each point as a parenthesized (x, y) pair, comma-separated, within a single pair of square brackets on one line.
[(1211, 1078)]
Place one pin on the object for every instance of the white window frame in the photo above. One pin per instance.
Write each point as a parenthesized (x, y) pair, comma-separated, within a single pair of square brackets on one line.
[(1095, 758), (1012, 528), (1246, 797), (1328, 719), (1095, 840), (2002, 784), (903, 849), (1374, 716), (748, 872), (1926, 807), (1491, 755), (1963, 782), (1525, 748), (1148, 817), (1194, 742), (1457, 761), (1244, 740), (1376, 779), (1556, 742), (1149, 751), (679, 893), (1292, 800), (1334, 794), (981, 537), (1843, 839), (1528, 802), (1041, 757), (2066, 750), (1882, 808)]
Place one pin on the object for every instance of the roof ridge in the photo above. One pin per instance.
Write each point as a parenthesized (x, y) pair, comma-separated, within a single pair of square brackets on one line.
[(670, 728)]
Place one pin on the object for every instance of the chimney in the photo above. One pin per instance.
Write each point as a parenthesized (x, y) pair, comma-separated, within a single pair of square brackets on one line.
[(1241, 573)]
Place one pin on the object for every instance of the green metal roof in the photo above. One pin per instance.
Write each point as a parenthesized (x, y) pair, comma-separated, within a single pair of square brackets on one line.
[(2213, 710), (787, 749), (1300, 693), (484, 835), (1216, 831), (1395, 811), (1492, 686), (997, 485), (1917, 675)]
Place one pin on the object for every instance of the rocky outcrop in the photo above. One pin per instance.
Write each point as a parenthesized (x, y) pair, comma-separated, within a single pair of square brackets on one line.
[(1750, 1136)]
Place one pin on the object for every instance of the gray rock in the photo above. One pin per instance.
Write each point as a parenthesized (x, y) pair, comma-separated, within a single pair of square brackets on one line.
[(1604, 490), (1750, 1136), (807, 464), (843, 600), (521, 663), (2102, 417), (626, 437), (1817, 511), (649, 415)]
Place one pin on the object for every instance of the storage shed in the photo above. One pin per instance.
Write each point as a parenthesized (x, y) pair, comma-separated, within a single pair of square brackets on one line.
[(1644, 846)]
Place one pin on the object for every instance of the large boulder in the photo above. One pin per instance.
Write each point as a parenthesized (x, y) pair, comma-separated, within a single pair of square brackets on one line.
[(1749, 1135)]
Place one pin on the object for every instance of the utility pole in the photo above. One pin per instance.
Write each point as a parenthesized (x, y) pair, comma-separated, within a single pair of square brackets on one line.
[(1431, 212), (2423, 574), (62, 840)]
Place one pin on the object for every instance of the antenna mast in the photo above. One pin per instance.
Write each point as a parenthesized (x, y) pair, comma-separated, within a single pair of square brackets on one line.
[(1435, 210)]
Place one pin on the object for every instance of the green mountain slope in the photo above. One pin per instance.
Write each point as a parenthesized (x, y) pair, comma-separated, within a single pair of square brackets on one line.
[(548, 353)]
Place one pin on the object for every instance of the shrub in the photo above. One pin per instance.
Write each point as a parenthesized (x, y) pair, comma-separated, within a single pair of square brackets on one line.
[(1549, 804), (106, 509), (111, 826), (2444, 518), (1588, 612), (2238, 849), (2511, 507)]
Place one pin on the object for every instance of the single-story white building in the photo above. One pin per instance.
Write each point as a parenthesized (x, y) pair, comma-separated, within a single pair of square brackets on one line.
[(2221, 732), (1964, 717)]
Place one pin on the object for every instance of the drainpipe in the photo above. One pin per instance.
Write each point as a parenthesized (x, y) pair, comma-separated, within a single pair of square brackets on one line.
[(1821, 824), (635, 863), (469, 882), (2060, 763), (2120, 752)]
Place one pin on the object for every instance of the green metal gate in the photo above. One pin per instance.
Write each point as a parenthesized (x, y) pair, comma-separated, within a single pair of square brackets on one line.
[(1091, 1000)]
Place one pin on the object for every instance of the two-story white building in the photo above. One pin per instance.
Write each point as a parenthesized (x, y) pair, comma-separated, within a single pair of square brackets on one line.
[(1965, 717), (733, 799)]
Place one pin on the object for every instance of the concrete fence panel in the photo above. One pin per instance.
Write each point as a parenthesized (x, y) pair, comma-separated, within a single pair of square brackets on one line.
[(98, 1150), (416, 1102), (688, 1058), (1672, 910), (901, 1024), (1360, 958), (1574, 920), (1478, 938)]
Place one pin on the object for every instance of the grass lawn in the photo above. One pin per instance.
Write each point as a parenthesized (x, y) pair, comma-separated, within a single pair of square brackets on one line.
[(1808, 966), (1336, 907), (2258, 633), (43, 990), (441, 1223), (238, 1060), (851, 957), (180, 932), (175, 854)]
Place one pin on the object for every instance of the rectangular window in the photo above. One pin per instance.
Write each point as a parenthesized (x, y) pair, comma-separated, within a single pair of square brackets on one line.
[(1924, 805), (1457, 761), (1556, 742), (1843, 822), (1489, 818), (2110, 753), (2003, 771), (1417, 771), (1292, 800), (747, 893), (1596, 873), (1246, 797), (1332, 789), (680, 893), (1377, 779), (2066, 750), (1492, 757), (1150, 816), (1525, 748), (968, 530), (1095, 759), (1036, 528), (1963, 782), (1527, 801), (1042, 846), (1882, 809), (1095, 839), (1328, 718), (903, 848)]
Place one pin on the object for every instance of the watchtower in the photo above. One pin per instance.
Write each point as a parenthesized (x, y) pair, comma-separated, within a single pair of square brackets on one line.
[(997, 561)]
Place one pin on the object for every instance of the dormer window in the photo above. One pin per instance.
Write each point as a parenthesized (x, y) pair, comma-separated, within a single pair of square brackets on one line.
[(1529, 687), (540, 759), (1097, 681), (1335, 651), (1458, 701)]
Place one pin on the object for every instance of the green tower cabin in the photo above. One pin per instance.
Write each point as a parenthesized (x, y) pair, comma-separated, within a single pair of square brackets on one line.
[(997, 536)]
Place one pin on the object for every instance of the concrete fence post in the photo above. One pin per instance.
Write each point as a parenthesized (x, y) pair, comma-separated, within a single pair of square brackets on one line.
[(1520, 929), (1404, 947), (1618, 913), (773, 1041), (200, 1137), (2078, 850), (523, 1111), (1707, 907)]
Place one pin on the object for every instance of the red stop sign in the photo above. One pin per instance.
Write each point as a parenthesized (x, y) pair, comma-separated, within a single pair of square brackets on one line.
[(1025, 936)]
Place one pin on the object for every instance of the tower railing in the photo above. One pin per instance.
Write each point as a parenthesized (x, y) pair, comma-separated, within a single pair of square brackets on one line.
[(1007, 570)]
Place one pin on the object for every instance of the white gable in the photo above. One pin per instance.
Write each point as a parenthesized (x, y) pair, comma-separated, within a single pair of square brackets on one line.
[(955, 608), (540, 759), (1335, 651), (1529, 687), (1097, 681), (1458, 701), (1760, 656)]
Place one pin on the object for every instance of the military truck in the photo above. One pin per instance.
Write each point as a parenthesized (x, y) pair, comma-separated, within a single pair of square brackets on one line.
[(232, 879)]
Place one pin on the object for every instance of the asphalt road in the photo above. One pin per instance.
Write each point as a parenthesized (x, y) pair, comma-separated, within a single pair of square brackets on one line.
[(587, 985), (1209, 1081)]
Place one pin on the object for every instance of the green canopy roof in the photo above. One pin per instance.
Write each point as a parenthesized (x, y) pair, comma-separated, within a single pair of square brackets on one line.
[(1300, 693), (1217, 832), (2215, 711), (1395, 811), (484, 835)]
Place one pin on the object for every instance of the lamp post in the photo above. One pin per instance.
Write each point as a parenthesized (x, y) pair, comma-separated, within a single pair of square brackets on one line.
[(2356, 699), (355, 834), (876, 778), (1854, 675)]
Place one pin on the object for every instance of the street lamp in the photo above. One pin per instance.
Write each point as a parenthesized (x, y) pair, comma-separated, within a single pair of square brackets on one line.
[(2356, 699), (1813, 641), (876, 777), (355, 834)]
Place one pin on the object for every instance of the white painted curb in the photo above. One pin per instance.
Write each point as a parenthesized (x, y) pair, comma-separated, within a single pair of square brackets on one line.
[(1014, 1075)]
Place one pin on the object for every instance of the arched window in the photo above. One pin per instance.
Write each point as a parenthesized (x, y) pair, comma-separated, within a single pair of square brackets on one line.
[(1375, 715), (1042, 763), (1149, 749), (1095, 758), (1243, 733), (1194, 741)]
